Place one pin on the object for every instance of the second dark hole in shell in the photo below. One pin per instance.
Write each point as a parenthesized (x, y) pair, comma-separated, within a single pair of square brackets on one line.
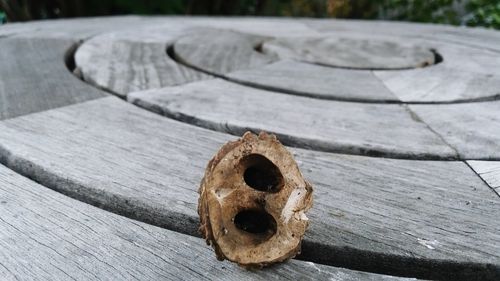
[(255, 222)]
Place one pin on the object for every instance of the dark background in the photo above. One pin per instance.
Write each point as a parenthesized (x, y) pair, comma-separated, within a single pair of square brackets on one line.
[(458, 12)]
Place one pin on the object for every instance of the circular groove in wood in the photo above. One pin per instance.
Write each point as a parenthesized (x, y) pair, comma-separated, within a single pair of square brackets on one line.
[(351, 53), (449, 267)]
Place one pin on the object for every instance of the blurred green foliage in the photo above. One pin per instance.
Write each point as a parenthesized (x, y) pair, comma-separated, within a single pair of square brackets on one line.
[(437, 11), (484, 13), (467, 12)]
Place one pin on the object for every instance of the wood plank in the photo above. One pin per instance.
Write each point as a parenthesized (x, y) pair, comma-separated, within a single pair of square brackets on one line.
[(261, 26), (471, 128), (353, 128), (46, 235), (220, 51), (316, 81), (441, 84), (469, 70), (124, 62), (76, 28), (476, 79), (465, 74), (429, 219), (136, 59), (34, 77), (86, 27), (478, 37), (347, 51), (79, 28), (489, 171)]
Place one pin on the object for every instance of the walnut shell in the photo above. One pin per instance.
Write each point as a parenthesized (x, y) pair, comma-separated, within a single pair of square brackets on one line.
[(252, 202)]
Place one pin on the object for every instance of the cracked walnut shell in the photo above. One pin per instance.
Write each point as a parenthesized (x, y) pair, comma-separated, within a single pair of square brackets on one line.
[(252, 202)]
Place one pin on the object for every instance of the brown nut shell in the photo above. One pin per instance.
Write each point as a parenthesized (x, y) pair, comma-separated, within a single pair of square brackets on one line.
[(252, 202)]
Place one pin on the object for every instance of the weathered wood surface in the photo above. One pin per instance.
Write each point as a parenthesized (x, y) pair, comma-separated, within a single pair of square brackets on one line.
[(46, 235), (124, 62), (333, 126), (469, 69), (489, 171), (400, 216), (219, 51), (465, 74), (78, 28), (440, 84), (430, 219), (34, 77), (268, 26), (348, 52), (473, 129), (316, 81), (474, 37)]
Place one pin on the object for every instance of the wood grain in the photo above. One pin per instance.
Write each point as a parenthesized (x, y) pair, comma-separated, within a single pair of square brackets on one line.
[(124, 62), (34, 77), (350, 52), (220, 51), (465, 74), (471, 128), (428, 219), (441, 84), (468, 72), (316, 81), (46, 235), (478, 37), (489, 171), (353, 128), (77, 28)]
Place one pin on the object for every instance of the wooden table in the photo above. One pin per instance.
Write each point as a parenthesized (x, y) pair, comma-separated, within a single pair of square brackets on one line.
[(107, 125)]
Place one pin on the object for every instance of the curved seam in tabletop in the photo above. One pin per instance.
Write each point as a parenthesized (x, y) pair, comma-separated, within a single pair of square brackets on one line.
[(63, 97), (300, 142), (75, 70), (41, 170), (170, 51), (350, 257), (364, 68), (292, 141), (422, 35), (47, 235), (60, 184)]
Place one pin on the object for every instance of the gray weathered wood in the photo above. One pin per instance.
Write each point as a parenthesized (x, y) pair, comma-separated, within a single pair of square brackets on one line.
[(78, 28), (472, 36), (469, 70), (268, 26), (317, 81), (423, 218), (348, 52), (45, 235), (34, 77), (489, 171), (472, 129), (368, 129), (441, 84), (465, 74), (220, 51), (124, 62)]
